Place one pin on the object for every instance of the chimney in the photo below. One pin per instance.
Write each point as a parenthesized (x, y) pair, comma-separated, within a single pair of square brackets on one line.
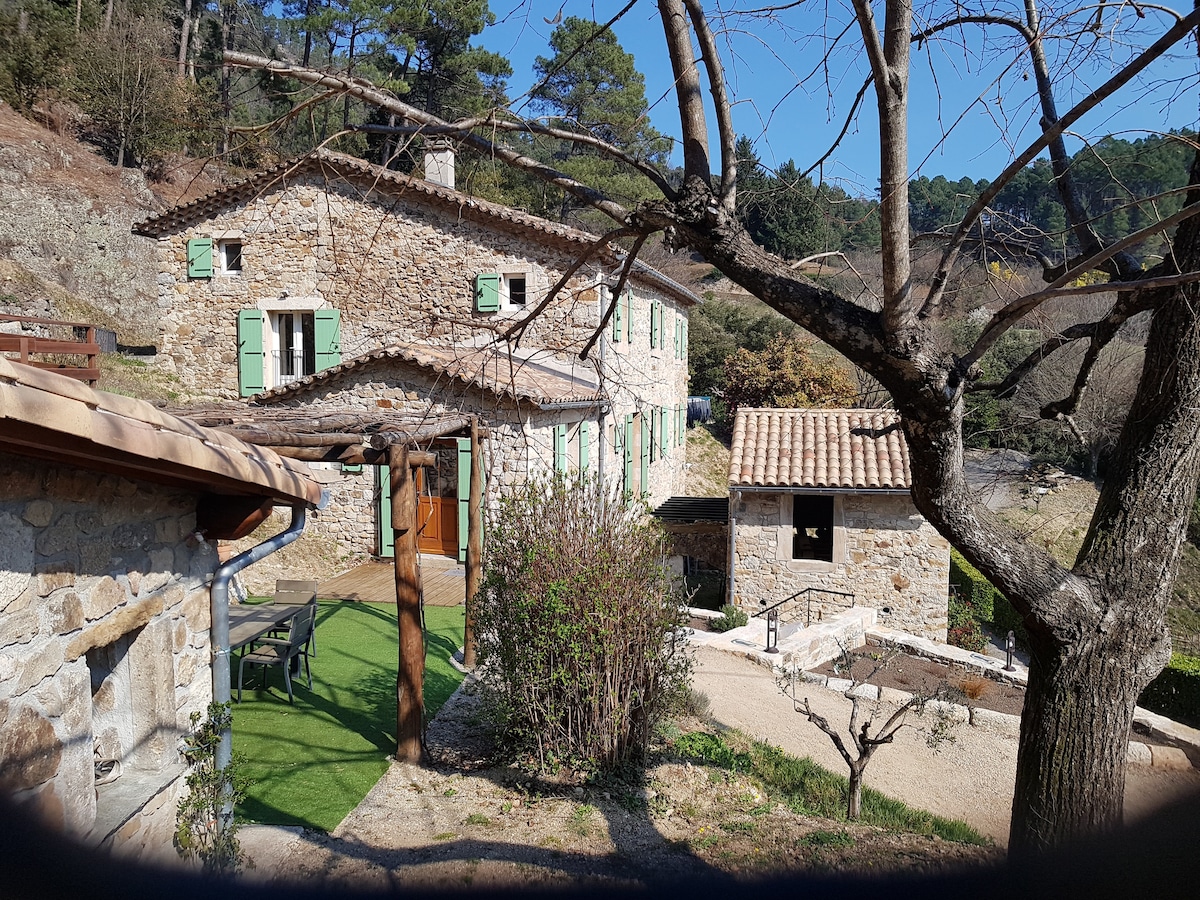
[(439, 162)]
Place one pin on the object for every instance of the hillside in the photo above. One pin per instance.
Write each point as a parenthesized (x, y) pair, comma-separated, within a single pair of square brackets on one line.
[(66, 249)]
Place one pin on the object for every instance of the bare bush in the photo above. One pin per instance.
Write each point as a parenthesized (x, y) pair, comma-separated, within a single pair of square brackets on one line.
[(580, 625)]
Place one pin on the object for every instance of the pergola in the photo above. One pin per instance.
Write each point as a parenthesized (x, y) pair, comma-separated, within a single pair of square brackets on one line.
[(374, 437)]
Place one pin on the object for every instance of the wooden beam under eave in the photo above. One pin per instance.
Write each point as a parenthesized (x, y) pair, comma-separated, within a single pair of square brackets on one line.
[(410, 673)]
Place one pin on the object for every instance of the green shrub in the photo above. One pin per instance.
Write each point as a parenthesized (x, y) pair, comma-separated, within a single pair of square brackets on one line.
[(1175, 693), (204, 825), (580, 625), (987, 603), (731, 617), (962, 625)]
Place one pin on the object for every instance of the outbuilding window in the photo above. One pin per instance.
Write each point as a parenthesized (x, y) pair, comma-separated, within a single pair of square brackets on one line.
[(812, 527)]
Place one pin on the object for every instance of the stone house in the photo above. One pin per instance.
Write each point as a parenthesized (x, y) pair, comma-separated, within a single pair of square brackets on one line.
[(110, 512), (819, 499), (328, 281)]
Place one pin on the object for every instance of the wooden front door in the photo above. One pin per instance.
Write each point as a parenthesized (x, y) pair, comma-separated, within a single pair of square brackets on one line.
[(437, 516)]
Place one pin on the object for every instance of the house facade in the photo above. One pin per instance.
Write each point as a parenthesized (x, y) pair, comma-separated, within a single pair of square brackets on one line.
[(110, 512), (323, 264), (820, 511)]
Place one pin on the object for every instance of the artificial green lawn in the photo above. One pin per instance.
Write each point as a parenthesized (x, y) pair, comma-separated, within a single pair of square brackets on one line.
[(311, 763)]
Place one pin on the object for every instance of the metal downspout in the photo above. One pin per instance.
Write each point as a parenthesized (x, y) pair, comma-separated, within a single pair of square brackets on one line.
[(219, 611), (735, 497)]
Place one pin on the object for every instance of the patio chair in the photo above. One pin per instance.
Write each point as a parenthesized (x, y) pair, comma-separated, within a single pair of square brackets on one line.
[(299, 593), (271, 651)]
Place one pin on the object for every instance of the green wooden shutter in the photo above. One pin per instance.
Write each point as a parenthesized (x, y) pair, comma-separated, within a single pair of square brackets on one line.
[(348, 468), (629, 316), (464, 495), (387, 537), (327, 336), (645, 461), (585, 448), (676, 318), (682, 422), (655, 318), (487, 292), (560, 448), (251, 326), (663, 419), (653, 433), (684, 347), (200, 258), (616, 320), (627, 469)]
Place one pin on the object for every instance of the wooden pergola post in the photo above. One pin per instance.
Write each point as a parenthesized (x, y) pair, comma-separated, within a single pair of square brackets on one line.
[(410, 674), (474, 543)]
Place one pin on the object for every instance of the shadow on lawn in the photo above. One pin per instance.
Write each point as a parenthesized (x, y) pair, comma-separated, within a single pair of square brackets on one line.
[(312, 762)]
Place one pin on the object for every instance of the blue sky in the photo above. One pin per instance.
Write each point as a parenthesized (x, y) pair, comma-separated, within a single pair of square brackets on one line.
[(954, 133)]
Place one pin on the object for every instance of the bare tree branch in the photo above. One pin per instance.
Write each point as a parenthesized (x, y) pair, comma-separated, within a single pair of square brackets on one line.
[(493, 123), (366, 92), (716, 86), (1179, 31), (616, 292), (517, 329), (687, 91), (1018, 309)]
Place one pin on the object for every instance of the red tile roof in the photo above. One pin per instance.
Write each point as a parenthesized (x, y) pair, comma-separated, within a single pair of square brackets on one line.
[(488, 368), (847, 449)]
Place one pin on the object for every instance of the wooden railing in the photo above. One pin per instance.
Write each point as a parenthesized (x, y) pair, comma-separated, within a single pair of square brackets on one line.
[(81, 344)]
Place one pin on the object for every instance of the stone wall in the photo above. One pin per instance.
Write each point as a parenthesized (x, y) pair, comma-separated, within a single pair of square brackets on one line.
[(520, 443), (400, 270), (104, 644), (886, 555)]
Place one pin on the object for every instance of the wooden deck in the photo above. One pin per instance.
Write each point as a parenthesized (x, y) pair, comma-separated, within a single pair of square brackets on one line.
[(443, 583)]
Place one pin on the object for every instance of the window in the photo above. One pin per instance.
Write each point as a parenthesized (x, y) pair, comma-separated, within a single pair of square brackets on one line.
[(229, 257), (275, 348), (514, 290), (812, 528), (293, 348)]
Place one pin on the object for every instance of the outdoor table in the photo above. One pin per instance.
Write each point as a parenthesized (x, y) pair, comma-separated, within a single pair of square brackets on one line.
[(248, 622)]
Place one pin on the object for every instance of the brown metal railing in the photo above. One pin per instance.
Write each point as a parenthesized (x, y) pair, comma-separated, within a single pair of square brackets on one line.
[(81, 344)]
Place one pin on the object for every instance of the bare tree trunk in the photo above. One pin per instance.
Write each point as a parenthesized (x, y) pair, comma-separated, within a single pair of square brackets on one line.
[(184, 32), (108, 15), (854, 797)]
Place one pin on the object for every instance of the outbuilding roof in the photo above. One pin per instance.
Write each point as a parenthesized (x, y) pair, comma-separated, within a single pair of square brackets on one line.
[(489, 368), (52, 417), (841, 449), (387, 182)]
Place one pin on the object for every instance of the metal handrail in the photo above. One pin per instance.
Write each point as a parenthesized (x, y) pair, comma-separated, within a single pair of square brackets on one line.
[(808, 611)]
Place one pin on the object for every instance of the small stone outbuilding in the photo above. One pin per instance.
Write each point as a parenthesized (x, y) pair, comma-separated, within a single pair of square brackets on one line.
[(110, 511), (819, 499)]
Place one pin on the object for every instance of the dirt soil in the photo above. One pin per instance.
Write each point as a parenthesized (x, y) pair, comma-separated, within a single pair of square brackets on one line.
[(918, 675), (469, 821)]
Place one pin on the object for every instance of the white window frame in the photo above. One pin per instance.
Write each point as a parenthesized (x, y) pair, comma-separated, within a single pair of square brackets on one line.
[(506, 290), (223, 256), (275, 318)]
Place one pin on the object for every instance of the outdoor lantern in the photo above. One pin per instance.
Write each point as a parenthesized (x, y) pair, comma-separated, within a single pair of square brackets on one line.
[(773, 631), (1010, 644)]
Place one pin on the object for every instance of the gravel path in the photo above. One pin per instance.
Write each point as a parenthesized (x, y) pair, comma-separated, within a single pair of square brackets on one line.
[(971, 779)]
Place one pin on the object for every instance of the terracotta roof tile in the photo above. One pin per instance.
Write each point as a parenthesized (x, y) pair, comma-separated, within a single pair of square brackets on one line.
[(50, 416), (487, 368), (819, 448)]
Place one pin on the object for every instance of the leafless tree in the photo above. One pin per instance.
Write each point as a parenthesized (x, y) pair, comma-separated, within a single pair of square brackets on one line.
[(865, 737), (1096, 628)]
